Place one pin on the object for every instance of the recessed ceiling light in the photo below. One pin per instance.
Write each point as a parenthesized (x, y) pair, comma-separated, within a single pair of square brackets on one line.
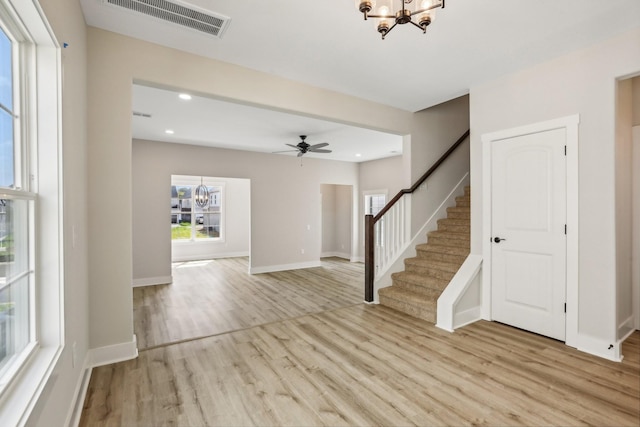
[(169, 131), (358, 155), (185, 96)]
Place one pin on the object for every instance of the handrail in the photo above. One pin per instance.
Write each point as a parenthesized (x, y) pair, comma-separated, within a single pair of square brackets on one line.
[(370, 220)]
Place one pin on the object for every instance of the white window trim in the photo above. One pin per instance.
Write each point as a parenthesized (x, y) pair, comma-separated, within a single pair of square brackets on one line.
[(42, 126), (209, 182), (369, 193)]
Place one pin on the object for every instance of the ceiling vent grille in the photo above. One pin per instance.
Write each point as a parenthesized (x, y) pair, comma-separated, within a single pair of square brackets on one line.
[(140, 114), (208, 23)]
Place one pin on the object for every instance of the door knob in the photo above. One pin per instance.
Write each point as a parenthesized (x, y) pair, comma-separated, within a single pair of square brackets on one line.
[(498, 239)]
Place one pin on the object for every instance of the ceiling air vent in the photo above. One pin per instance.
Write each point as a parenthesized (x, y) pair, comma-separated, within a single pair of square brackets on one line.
[(175, 13), (139, 114)]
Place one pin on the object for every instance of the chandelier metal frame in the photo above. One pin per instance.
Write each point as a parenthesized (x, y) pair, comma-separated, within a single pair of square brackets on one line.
[(202, 195), (401, 17)]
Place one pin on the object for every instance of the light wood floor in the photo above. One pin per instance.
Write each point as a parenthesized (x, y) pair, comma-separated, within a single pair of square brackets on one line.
[(366, 365), (215, 296)]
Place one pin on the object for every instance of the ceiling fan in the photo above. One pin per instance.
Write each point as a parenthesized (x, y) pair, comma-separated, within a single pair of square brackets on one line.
[(302, 147)]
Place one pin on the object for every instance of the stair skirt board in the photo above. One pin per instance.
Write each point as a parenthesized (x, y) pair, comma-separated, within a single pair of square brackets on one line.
[(415, 291), (383, 278)]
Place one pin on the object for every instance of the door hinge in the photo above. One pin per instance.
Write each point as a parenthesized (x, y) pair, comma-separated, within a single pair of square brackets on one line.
[(565, 229), (565, 150), (565, 307)]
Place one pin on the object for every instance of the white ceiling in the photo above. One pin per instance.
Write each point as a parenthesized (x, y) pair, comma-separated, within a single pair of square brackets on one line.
[(326, 43), (205, 121)]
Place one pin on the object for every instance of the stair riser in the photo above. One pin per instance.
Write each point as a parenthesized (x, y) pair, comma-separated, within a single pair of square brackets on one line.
[(449, 242), (460, 215), (445, 275), (442, 257), (419, 312), (430, 291), (453, 221), (455, 228), (460, 202)]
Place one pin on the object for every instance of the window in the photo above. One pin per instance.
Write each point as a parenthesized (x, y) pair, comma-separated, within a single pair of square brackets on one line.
[(17, 337), (31, 331), (190, 222), (373, 203)]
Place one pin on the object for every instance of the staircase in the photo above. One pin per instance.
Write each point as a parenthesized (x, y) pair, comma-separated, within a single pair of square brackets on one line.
[(415, 290)]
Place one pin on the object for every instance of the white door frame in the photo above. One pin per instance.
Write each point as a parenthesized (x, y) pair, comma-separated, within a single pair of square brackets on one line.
[(570, 124)]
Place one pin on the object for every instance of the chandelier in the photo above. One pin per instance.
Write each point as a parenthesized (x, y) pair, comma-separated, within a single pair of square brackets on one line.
[(202, 195), (416, 12)]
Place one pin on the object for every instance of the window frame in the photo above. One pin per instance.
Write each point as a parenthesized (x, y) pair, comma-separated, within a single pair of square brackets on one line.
[(39, 170), (193, 181)]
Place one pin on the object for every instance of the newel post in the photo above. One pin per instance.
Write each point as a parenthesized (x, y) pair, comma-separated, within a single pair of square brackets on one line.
[(368, 258)]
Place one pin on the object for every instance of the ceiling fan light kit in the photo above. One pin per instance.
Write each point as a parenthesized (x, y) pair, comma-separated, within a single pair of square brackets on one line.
[(419, 13)]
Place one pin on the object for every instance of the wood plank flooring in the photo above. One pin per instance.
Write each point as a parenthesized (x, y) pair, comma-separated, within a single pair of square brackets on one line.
[(366, 365), (215, 296)]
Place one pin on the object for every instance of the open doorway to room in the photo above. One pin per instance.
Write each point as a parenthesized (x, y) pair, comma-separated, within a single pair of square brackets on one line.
[(219, 228), (336, 224), (627, 163)]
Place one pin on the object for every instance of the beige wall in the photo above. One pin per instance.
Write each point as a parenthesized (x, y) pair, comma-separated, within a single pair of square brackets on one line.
[(151, 182), (433, 131), (337, 220), (583, 83), (67, 22), (285, 199), (115, 62), (635, 88)]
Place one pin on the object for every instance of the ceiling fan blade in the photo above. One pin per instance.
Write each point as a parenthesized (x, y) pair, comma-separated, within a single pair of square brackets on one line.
[(293, 146), (300, 154), (285, 151), (322, 144), (319, 150)]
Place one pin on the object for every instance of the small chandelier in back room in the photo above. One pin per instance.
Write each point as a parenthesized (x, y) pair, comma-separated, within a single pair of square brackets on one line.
[(390, 13), (202, 195)]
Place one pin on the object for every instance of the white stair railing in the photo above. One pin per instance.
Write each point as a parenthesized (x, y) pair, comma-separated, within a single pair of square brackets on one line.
[(392, 233)]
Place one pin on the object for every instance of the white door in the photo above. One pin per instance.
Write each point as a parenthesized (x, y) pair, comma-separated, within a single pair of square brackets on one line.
[(528, 232)]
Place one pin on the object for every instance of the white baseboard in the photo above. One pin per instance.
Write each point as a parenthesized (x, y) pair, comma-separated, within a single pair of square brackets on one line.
[(448, 318), (151, 281), (79, 395), (599, 347), (467, 317), (335, 255), (626, 328), (284, 267), (211, 256), (357, 259), (113, 353)]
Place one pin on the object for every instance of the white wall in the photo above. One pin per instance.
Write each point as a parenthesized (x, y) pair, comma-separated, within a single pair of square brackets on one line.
[(623, 155), (67, 22), (583, 82)]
